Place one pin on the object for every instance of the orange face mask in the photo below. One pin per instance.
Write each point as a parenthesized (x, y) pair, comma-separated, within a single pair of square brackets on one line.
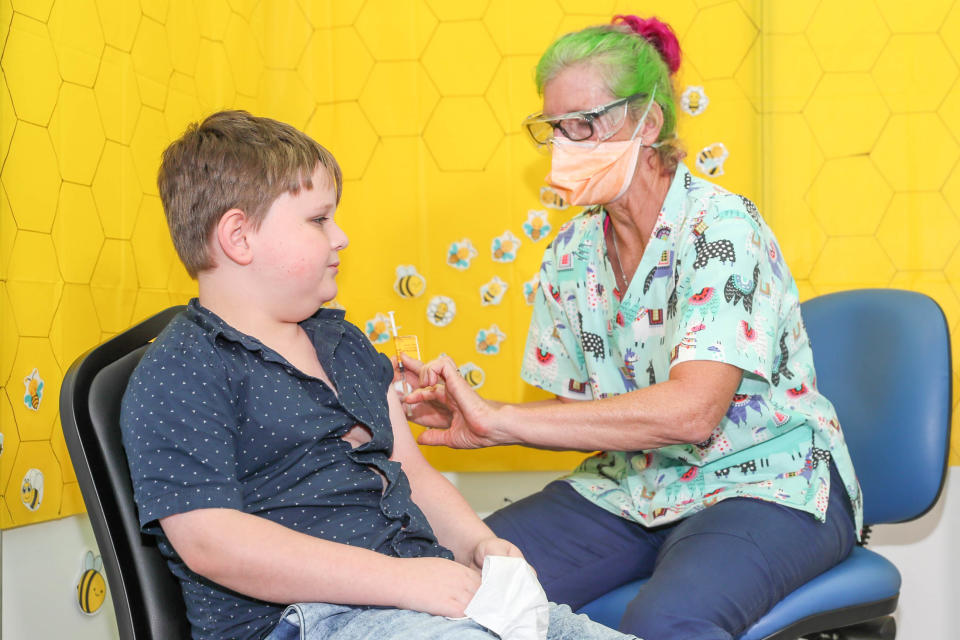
[(588, 173)]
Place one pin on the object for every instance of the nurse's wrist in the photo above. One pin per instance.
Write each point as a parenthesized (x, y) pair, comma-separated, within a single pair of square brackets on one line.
[(502, 422)]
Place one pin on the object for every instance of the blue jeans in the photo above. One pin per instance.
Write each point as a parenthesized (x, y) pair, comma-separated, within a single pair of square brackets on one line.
[(319, 621), (712, 575)]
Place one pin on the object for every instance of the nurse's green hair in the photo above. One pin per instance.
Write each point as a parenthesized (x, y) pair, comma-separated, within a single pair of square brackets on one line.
[(631, 55)]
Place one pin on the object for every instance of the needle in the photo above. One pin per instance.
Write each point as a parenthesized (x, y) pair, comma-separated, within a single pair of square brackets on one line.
[(396, 345)]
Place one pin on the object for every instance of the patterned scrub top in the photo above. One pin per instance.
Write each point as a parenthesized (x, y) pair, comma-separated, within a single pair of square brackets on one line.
[(711, 285)]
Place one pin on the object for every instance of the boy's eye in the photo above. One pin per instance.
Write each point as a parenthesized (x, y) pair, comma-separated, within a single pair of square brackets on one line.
[(321, 219)]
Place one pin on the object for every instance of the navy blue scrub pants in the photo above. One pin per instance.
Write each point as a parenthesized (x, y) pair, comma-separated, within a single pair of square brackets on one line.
[(713, 574)]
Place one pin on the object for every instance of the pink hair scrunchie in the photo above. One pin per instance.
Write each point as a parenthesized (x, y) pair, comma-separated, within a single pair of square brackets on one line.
[(657, 33)]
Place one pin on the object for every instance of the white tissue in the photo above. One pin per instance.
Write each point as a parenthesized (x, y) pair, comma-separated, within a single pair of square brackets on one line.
[(510, 601)]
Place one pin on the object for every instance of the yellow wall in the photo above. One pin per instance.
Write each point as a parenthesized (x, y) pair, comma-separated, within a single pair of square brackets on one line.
[(841, 119)]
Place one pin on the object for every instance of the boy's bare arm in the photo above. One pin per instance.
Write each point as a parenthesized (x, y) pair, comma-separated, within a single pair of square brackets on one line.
[(265, 560), (455, 523)]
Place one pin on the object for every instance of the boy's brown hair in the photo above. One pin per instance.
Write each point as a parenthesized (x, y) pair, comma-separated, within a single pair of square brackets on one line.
[(233, 160)]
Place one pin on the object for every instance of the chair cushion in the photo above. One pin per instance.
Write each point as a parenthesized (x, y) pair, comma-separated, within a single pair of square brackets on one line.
[(863, 578)]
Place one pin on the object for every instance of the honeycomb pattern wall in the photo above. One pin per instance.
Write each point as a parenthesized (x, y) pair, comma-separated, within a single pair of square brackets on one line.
[(840, 119)]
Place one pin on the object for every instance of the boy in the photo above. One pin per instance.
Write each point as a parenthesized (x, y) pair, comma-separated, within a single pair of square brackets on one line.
[(266, 450)]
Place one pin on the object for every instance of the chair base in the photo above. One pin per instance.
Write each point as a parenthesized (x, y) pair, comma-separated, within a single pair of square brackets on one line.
[(880, 629), (883, 627)]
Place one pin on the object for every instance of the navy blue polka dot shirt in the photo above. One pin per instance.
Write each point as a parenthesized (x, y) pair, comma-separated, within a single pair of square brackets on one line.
[(213, 418)]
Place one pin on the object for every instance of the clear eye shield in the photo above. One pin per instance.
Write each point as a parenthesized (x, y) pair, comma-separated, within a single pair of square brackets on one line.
[(594, 126)]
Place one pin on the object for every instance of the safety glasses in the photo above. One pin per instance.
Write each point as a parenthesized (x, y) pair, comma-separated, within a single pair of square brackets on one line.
[(595, 125)]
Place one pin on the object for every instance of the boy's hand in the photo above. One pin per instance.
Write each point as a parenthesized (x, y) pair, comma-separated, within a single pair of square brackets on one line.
[(442, 401), (493, 547), (437, 586)]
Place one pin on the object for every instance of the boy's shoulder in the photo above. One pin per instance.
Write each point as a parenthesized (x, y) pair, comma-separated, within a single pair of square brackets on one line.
[(330, 324), (191, 333)]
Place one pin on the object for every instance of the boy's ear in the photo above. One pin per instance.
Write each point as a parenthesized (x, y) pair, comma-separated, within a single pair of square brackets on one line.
[(231, 233)]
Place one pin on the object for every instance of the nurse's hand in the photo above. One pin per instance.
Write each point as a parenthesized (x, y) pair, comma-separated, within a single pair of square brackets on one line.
[(442, 401)]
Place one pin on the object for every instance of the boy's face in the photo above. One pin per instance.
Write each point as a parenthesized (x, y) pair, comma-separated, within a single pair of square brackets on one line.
[(296, 250)]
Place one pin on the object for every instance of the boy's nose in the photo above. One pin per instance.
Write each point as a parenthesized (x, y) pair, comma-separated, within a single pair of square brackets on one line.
[(338, 239)]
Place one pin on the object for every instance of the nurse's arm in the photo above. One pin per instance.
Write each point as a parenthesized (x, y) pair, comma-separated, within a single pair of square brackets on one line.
[(683, 409)]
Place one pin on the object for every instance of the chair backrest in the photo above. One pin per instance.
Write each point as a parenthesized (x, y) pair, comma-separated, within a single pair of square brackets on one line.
[(146, 596), (883, 359)]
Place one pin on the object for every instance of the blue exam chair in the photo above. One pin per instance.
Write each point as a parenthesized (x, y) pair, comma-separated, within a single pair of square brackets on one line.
[(883, 359)]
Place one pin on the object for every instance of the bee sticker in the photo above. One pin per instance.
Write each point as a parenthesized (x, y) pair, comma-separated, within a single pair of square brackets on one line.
[(530, 289), (504, 247), (488, 340), (473, 375), (492, 292), (694, 101), (710, 159), (536, 226), (31, 489), (460, 254), (91, 588), (377, 328), (551, 199), (409, 283), (33, 390), (441, 310)]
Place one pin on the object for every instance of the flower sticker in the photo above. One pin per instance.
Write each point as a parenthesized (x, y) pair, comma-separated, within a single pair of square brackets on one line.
[(530, 289), (504, 247), (378, 329), (460, 254), (488, 340), (537, 226)]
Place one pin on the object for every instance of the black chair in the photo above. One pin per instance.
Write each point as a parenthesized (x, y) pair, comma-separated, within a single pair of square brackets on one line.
[(146, 596), (883, 358)]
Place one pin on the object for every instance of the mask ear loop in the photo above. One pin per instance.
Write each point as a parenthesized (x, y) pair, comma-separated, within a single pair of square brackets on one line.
[(643, 118)]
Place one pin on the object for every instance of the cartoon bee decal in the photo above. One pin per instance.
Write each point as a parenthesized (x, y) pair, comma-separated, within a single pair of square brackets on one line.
[(473, 375), (504, 247), (31, 489), (441, 310), (92, 588), (694, 101), (530, 289), (551, 199), (409, 283), (492, 292), (537, 226), (460, 254), (488, 340), (711, 158), (378, 328), (33, 390)]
